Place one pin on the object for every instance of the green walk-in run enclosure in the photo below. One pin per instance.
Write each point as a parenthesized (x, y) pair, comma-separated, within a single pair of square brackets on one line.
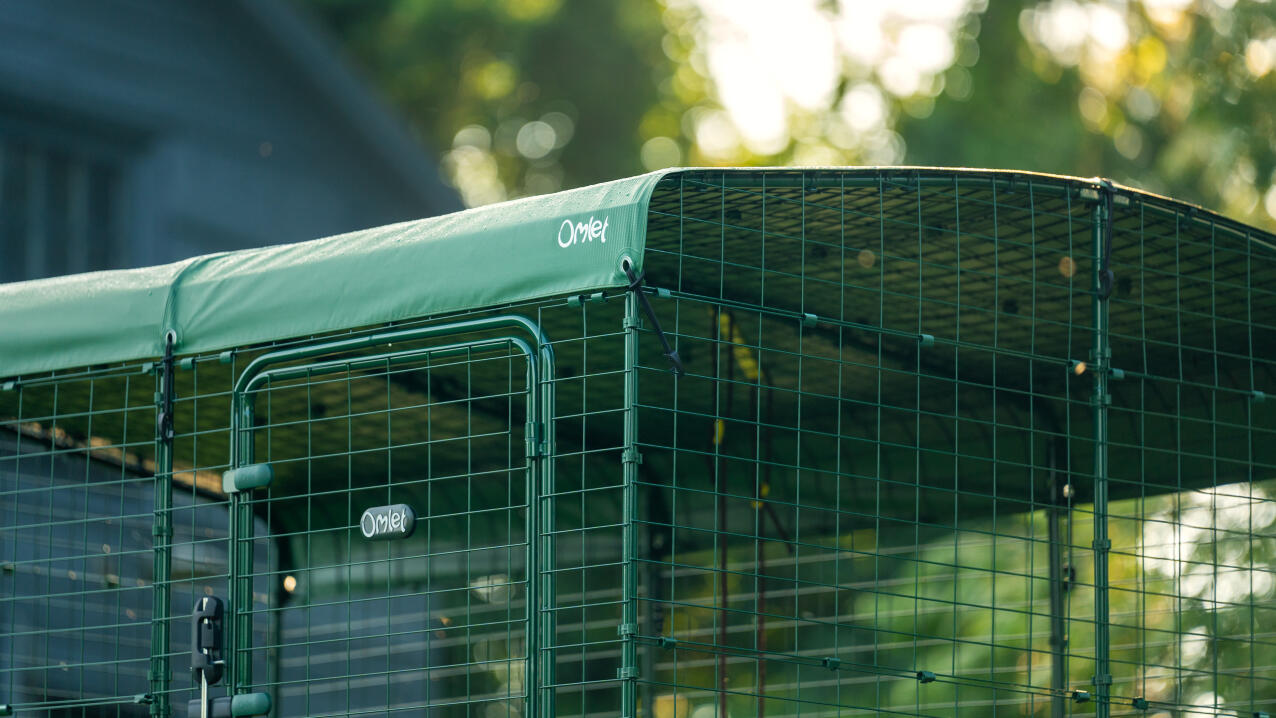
[(695, 444)]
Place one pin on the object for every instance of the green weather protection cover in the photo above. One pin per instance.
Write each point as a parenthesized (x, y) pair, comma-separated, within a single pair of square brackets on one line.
[(567, 242)]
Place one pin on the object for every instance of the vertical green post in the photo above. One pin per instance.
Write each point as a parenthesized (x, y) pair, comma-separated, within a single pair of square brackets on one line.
[(543, 620), (629, 621), (1100, 360), (162, 533), (239, 584), (243, 595), (538, 627), (1055, 517), (534, 535)]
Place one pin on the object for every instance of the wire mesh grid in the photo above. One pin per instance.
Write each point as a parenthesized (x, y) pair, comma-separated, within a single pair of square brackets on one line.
[(920, 466), (75, 462)]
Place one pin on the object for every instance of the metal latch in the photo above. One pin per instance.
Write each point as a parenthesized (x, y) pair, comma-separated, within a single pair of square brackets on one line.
[(206, 649)]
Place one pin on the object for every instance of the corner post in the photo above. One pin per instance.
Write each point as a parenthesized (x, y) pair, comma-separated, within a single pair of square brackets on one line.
[(1101, 287), (162, 532), (630, 459)]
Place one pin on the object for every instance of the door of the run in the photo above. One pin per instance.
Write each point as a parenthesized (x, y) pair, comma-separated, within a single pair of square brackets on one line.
[(398, 507)]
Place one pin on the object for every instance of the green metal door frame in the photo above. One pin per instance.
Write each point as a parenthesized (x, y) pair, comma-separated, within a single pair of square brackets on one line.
[(539, 472)]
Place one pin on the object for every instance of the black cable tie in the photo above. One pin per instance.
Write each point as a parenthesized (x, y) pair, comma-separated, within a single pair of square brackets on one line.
[(635, 286)]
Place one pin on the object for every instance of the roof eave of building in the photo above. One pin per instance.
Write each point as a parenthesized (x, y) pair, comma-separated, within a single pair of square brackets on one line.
[(320, 60)]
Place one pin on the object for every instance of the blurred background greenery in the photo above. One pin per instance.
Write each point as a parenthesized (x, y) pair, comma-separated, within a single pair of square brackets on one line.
[(523, 97)]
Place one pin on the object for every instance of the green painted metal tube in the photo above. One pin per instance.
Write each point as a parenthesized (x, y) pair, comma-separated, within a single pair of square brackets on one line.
[(162, 537), (385, 359), (503, 321), (629, 649), (1101, 357), (542, 624)]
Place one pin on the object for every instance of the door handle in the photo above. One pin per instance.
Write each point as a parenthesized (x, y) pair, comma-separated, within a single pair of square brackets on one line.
[(207, 663)]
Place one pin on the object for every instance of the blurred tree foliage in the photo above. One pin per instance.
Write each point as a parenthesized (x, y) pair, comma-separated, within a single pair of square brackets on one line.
[(1184, 105), (520, 96), (530, 96)]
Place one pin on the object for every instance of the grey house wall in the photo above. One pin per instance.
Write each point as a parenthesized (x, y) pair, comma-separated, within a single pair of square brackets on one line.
[(136, 133)]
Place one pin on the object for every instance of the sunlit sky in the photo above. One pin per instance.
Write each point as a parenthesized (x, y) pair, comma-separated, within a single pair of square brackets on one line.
[(770, 60), (776, 69), (765, 56)]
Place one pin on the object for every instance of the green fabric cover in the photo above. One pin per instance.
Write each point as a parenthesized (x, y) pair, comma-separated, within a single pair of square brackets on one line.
[(481, 257)]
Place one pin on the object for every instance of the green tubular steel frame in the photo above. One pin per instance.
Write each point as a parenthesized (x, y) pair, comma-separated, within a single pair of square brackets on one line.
[(163, 530), (947, 443), (1101, 362)]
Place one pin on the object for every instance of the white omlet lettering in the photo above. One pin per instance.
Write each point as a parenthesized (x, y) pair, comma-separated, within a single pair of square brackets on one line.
[(387, 522), (570, 232)]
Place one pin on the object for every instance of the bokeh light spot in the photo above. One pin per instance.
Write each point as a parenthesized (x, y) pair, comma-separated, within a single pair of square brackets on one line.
[(1068, 267), (536, 139), (660, 152), (530, 10)]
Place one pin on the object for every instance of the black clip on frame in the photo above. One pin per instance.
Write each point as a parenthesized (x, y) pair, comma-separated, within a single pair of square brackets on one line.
[(635, 286), (206, 647)]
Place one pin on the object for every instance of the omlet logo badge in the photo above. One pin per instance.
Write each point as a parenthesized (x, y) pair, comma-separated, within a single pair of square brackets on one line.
[(382, 523), (570, 232)]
